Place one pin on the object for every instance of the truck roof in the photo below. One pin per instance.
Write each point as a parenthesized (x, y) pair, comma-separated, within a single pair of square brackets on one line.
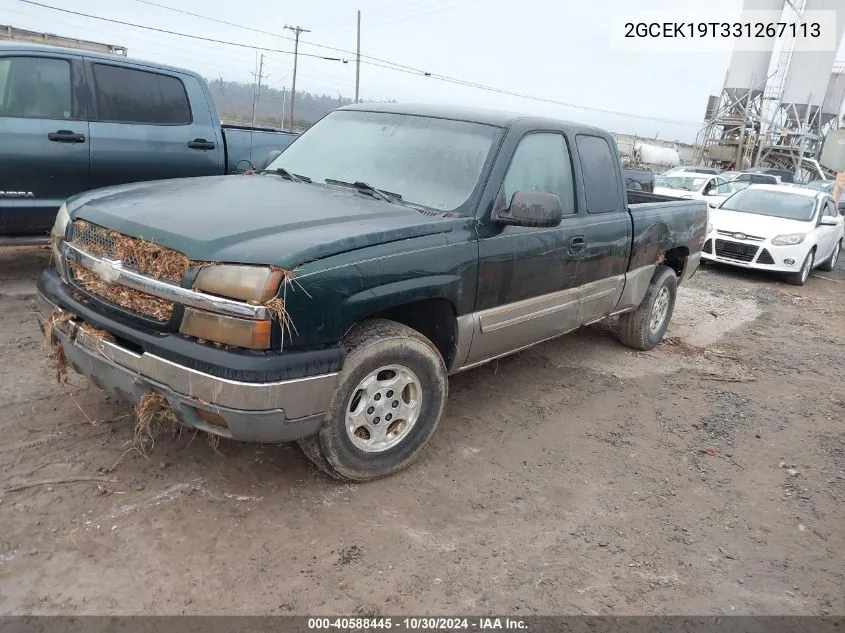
[(26, 47), (470, 114)]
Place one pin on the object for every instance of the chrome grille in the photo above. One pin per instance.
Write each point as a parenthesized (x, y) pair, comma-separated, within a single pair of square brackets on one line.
[(737, 234), (98, 241)]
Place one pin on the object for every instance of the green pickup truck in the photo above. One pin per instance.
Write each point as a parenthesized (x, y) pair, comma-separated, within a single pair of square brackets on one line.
[(326, 299)]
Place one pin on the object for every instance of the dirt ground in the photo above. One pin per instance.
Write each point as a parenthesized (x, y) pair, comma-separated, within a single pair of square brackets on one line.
[(704, 477)]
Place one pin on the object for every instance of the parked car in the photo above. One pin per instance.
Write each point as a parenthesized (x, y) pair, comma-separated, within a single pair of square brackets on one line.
[(73, 120), (690, 168), (827, 187), (782, 229), (431, 241), (782, 174), (694, 186), (638, 180), (745, 179)]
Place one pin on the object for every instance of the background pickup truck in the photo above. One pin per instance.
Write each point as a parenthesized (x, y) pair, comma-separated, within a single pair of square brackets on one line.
[(71, 121), (328, 299)]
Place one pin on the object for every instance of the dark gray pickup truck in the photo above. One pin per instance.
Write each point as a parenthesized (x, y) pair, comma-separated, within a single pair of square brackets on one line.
[(328, 299), (73, 120)]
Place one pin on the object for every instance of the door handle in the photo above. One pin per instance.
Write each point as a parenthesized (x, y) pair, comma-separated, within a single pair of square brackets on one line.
[(66, 136), (576, 244), (201, 143)]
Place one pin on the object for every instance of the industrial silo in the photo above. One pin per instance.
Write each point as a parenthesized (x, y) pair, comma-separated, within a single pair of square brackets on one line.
[(748, 70), (809, 73), (833, 97)]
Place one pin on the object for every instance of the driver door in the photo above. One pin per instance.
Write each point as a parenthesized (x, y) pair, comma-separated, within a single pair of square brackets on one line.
[(528, 277)]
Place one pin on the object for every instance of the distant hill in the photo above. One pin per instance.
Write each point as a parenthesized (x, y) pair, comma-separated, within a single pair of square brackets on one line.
[(234, 103)]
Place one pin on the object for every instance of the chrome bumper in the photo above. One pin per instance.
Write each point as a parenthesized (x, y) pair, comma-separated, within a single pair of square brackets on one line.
[(260, 412)]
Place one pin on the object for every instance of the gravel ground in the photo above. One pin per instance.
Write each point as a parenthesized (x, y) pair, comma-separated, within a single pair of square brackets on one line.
[(705, 477)]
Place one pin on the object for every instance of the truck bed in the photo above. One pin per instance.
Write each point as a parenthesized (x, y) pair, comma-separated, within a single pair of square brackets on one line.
[(661, 223)]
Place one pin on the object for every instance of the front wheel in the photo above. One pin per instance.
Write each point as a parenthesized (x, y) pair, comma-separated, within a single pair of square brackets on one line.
[(801, 277), (830, 264), (388, 403), (644, 328)]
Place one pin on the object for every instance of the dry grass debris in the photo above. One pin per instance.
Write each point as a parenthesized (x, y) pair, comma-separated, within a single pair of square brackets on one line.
[(277, 305), (55, 351), (145, 256), (152, 414), (140, 302)]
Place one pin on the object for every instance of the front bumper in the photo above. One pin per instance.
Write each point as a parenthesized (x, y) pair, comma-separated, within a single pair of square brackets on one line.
[(277, 411), (776, 254)]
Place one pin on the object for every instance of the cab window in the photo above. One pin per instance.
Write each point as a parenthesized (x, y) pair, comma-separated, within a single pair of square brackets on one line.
[(541, 163)]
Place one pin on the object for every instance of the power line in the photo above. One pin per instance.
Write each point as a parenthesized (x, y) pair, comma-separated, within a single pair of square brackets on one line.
[(373, 61), (389, 65), (196, 37)]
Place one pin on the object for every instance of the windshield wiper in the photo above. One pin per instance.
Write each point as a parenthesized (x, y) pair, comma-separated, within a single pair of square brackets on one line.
[(284, 173), (366, 188)]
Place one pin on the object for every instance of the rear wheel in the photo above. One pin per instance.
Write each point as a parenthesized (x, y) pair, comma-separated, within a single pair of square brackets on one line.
[(830, 264), (388, 403), (801, 277), (644, 328)]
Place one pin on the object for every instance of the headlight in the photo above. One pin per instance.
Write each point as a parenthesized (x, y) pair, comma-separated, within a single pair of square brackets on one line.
[(62, 220), (788, 240), (57, 234), (254, 284)]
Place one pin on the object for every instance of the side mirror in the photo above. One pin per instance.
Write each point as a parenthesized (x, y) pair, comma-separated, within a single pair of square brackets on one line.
[(531, 208), (829, 220)]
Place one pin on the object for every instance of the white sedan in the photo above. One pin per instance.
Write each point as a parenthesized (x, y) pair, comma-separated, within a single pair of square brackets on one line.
[(773, 227), (693, 186)]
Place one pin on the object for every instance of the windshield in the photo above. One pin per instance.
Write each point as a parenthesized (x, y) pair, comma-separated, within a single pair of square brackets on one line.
[(826, 186), (778, 204), (431, 162), (685, 183)]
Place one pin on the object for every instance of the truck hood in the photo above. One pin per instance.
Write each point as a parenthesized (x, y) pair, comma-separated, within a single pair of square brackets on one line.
[(764, 226), (260, 219)]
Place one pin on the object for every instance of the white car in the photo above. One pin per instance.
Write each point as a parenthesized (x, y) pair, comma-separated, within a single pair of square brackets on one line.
[(783, 229), (690, 169), (694, 186)]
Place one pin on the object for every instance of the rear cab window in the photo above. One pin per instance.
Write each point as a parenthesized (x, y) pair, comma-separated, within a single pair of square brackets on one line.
[(598, 170), (35, 88), (128, 95)]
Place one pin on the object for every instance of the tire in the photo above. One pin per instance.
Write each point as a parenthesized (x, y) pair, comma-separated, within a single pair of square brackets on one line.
[(830, 264), (637, 329), (801, 277), (364, 437)]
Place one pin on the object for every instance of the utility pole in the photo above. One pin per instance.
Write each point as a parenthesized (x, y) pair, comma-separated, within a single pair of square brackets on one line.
[(284, 95), (358, 59), (257, 89), (297, 30)]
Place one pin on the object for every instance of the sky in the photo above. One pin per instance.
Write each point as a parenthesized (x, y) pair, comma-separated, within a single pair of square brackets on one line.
[(560, 51)]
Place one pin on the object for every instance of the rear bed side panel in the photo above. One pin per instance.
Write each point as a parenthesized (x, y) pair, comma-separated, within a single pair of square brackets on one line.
[(662, 226)]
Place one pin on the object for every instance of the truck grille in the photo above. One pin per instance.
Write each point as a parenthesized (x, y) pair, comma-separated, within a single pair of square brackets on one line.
[(143, 256), (736, 250)]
